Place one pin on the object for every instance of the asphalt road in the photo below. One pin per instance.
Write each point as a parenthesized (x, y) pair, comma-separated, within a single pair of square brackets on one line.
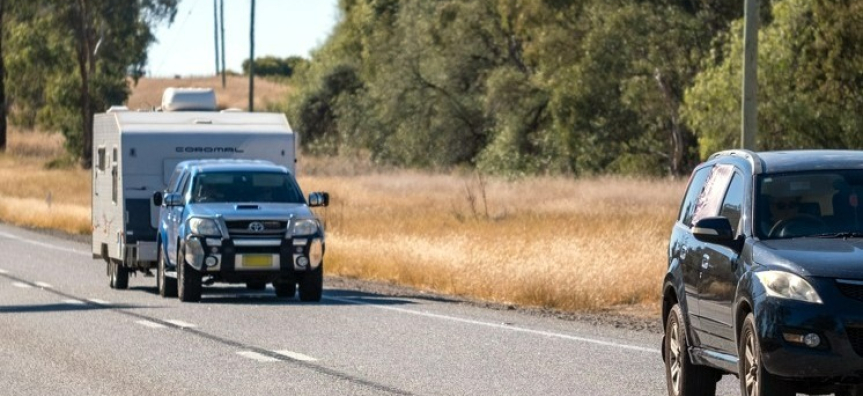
[(63, 331)]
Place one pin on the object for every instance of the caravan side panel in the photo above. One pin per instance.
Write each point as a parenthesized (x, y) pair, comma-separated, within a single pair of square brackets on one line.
[(107, 203)]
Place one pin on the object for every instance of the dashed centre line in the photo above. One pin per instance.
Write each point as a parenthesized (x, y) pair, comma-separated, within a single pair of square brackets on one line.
[(297, 356), (152, 325), (180, 323), (21, 285), (4, 272), (73, 302), (98, 301), (44, 285), (257, 356)]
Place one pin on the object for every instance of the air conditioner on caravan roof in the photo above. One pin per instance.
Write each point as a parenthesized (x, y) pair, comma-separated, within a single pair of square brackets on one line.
[(189, 99)]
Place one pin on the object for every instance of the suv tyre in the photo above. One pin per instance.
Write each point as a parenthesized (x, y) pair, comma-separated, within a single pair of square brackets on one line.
[(681, 376), (754, 379)]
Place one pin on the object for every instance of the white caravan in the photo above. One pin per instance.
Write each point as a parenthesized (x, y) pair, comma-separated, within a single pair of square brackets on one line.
[(135, 153)]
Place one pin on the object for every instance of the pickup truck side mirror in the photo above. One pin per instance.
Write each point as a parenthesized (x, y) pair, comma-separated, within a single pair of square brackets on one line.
[(157, 198), (173, 199), (319, 199)]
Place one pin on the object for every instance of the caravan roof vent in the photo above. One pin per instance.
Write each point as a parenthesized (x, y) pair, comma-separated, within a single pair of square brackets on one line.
[(189, 99)]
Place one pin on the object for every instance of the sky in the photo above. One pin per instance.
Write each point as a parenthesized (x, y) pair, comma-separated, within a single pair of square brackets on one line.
[(282, 28)]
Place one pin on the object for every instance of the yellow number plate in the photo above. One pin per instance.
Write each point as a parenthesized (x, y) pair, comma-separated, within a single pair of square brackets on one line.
[(258, 260)]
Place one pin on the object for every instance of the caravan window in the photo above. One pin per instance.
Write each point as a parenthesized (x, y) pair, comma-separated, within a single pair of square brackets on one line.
[(100, 159)]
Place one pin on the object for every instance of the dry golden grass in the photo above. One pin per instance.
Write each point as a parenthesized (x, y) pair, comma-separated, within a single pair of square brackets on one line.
[(148, 93), (31, 195), (551, 242)]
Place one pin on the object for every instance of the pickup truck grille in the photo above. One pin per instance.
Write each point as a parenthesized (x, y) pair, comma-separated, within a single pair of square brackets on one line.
[(244, 228)]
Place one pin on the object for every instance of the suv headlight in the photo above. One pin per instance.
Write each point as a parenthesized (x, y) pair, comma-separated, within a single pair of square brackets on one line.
[(786, 285), (204, 226), (304, 227)]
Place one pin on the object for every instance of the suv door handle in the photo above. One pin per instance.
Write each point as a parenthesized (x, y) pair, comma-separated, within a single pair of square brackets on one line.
[(705, 262)]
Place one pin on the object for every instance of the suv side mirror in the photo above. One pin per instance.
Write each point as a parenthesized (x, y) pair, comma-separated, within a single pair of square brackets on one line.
[(715, 230), (157, 198), (319, 199), (173, 199)]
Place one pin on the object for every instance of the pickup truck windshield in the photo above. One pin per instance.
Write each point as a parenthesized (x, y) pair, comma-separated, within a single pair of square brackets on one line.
[(239, 187)]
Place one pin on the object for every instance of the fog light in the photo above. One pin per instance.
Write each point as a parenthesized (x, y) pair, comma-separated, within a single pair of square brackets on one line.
[(812, 340), (211, 261), (302, 261)]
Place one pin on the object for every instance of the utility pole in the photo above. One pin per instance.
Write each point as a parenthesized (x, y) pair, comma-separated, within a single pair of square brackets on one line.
[(252, 60), (222, 18), (750, 76), (216, 31)]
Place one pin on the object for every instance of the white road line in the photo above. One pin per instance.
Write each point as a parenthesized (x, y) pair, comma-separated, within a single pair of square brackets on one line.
[(296, 356), (97, 301), (500, 326), (152, 325), (257, 356), (180, 323), (4, 272), (42, 244), (73, 302), (21, 285), (44, 285)]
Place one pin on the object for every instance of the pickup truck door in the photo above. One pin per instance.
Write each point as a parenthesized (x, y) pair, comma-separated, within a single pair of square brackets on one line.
[(174, 219)]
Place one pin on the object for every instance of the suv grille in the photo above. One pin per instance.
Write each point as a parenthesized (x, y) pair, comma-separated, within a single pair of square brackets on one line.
[(266, 228), (851, 290), (855, 336)]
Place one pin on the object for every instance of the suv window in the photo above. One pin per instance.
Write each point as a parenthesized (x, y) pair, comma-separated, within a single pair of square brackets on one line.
[(711, 197), (732, 206), (687, 208)]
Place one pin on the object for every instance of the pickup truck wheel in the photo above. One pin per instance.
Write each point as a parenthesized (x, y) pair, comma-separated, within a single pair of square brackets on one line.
[(312, 285), (754, 379), (256, 285), (285, 289), (188, 281), (167, 286), (119, 275), (682, 377)]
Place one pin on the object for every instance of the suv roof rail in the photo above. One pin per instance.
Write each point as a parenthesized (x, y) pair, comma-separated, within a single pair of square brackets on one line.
[(747, 155)]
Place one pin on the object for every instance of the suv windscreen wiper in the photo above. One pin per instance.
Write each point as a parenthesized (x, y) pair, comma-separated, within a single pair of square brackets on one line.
[(845, 234)]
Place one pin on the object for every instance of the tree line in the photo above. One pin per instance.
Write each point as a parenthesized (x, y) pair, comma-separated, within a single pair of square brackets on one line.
[(576, 87), (64, 60)]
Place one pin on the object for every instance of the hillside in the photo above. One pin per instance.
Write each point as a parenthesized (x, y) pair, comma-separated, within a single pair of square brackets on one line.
[(148, 92)]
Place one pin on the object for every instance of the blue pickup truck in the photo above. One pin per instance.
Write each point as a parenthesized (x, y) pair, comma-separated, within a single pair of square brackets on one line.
[(238, 221)]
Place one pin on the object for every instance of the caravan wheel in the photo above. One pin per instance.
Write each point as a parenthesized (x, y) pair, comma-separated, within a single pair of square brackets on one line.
[(118, 274)]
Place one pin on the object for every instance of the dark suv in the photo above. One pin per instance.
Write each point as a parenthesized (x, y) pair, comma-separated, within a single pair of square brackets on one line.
[(765, 275)]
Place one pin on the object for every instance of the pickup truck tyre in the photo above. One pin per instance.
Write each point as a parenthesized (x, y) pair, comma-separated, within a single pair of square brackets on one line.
[(118, 274), (285, 289), (188, 281), (312, 285), (256, 285), (681, 376), (167, 286), (754, 379)]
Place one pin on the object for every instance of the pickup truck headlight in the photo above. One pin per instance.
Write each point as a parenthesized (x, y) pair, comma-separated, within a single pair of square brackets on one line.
[(786, 285), (204, 226), (304, 227)]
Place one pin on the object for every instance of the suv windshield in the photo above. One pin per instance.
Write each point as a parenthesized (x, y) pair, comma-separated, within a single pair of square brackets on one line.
[(216, 187), (821, 203)]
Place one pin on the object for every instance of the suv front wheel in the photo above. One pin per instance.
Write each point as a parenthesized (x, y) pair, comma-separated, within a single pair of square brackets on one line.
[(681, 376), (754, 379)]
